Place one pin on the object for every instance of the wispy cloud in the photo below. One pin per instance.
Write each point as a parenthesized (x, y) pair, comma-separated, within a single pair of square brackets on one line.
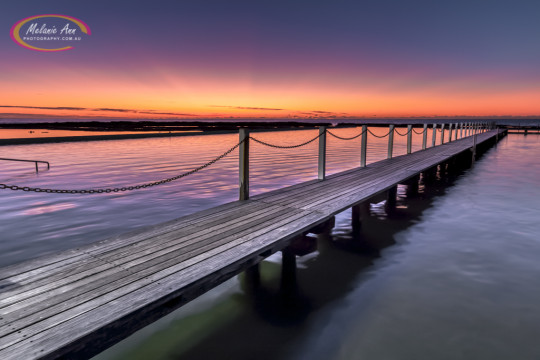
[(109, 109), (43, 107), (245, 107), (132, 111), (324, 114), (152, 112)]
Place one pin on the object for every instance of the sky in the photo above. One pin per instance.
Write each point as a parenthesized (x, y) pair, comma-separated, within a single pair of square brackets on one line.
[(277, 59)]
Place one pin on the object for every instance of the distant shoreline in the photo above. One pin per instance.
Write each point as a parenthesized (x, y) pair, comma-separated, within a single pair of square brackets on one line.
[(159, 129)]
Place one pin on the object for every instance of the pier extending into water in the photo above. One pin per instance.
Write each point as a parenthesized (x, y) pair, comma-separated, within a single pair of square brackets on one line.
[(77, 303)]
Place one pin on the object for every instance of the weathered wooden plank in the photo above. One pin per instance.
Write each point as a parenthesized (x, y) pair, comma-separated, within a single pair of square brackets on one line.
[(164, 284), (124, 264), (43, 263), (109, 257), (141, 274)]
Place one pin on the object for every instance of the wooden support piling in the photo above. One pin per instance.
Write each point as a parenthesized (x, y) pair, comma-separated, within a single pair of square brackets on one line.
[(412, 186), (322, 153), (391, 198), (363, 146), (253, 278), (244, 164), (409, 139), (359, 212), (288, 272)]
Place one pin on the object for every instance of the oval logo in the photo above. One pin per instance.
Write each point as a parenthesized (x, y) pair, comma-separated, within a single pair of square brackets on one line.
[(50, 32)]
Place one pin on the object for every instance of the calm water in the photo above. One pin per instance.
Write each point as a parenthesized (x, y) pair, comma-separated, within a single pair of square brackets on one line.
[(34, 224), (449, 275)]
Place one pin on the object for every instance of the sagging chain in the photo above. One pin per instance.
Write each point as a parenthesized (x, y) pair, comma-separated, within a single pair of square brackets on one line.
[(407, 133), (345, 138), (126, 188), (421, 132), (286, 146), (380, 137)]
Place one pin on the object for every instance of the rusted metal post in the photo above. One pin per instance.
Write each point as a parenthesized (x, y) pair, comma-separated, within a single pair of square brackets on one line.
[(390, 141), (363, 146), (244, 164), (409, 139), (322, 152)]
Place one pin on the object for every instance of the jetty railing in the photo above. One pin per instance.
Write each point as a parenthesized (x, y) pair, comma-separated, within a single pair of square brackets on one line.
[(466, 129), (34, 161)]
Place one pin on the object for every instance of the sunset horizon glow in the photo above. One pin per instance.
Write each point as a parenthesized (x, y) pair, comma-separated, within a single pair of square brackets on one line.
[(299, 60)]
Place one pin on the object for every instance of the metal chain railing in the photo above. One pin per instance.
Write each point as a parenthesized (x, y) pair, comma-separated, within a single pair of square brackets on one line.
[(286, 146), (400, 134), (345, 138), (377, 136), (126, 188), (211, 162)]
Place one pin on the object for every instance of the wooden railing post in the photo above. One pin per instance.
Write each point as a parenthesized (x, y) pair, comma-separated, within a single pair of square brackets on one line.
[(390, 142), (424, 138), (442, 133), (450, 127), (322, 152), (409, 139), (455, 136), (363, 146), (461, 131), (244, 164), (434, 135)]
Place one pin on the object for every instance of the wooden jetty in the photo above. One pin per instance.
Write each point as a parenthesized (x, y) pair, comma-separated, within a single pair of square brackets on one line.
[(77, 303)]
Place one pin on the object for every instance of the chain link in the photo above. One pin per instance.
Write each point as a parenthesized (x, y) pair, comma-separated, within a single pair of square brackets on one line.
[(285, 146), (345, 138), (397, 132), (377, 136), (421, 132), (126, 188)]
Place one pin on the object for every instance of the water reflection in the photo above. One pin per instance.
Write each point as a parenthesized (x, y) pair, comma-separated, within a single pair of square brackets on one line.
[(267, 319)]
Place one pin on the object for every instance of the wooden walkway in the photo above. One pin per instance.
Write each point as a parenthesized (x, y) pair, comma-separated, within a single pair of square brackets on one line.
[(79, 302)]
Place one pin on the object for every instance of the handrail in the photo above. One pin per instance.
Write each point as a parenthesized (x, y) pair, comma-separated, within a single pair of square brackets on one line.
[(34, 161)]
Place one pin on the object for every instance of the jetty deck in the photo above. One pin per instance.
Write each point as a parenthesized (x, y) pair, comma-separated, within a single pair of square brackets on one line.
[(79, 302)]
